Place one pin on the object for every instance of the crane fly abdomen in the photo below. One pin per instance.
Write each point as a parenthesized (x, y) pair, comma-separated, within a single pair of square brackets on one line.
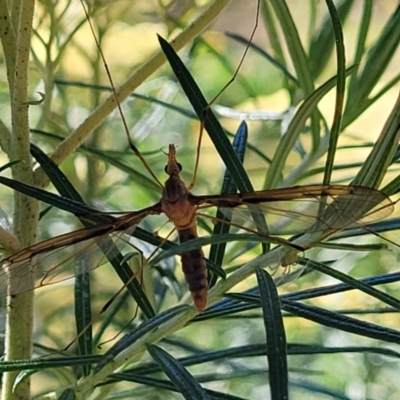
[(194, 268)]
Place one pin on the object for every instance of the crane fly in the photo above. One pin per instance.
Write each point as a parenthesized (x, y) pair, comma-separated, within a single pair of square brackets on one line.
[(329, 208), (36, 265)]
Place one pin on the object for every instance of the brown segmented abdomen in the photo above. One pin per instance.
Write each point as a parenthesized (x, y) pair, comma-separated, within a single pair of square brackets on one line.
[(194, 268)]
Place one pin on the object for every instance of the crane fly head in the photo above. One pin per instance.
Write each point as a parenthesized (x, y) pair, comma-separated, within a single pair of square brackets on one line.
[(173, 167), (175, 189)]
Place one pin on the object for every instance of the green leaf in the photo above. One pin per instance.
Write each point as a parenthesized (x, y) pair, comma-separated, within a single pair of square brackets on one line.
[(275, 337), (179, 376), (205, 114), (137, 333), (342, 322)]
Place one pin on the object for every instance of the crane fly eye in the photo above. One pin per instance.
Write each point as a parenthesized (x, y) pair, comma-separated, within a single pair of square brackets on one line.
[(177, 164)]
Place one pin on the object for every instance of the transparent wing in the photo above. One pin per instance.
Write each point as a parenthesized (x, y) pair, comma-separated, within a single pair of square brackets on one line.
[(54, 260), (316, 208)]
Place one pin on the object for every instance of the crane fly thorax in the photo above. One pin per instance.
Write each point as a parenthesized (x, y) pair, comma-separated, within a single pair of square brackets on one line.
[(175, 203), (175, 199), (174, 190)]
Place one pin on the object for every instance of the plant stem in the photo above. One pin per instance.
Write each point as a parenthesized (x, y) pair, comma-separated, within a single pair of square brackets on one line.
[(18, 343)]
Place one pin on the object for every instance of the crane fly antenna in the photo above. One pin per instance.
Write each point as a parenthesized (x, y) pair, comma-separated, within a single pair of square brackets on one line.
[(246, 50), (227, 84), (124, 123)]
